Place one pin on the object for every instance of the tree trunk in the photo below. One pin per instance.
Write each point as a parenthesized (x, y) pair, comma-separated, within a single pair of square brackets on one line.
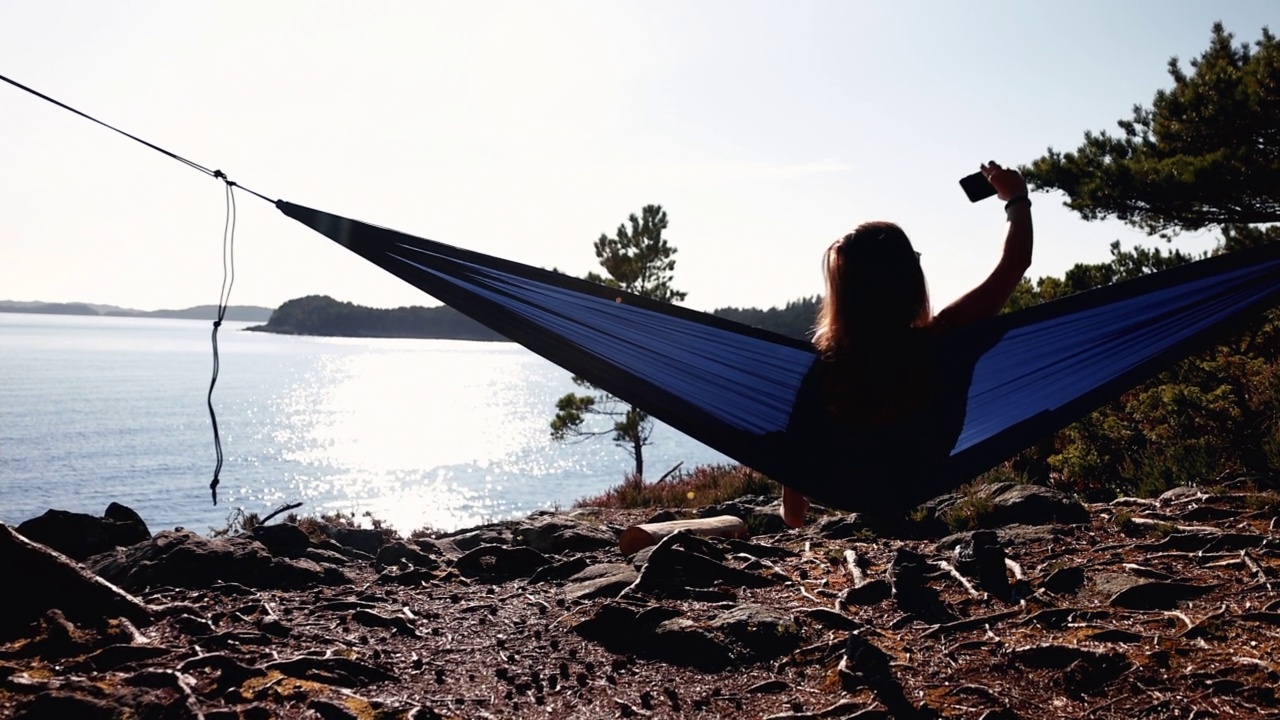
[(637, 448)]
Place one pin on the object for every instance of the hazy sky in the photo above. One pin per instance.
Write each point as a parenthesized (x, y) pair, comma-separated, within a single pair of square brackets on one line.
[(525, 129)]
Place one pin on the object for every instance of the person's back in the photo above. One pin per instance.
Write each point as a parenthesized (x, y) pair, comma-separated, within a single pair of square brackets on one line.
[(874, 374), (885, 381)]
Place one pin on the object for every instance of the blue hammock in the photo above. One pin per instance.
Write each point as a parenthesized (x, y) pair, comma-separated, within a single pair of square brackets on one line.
[(1003, 383)]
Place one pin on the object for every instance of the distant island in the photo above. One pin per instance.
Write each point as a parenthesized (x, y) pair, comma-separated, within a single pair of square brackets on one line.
[(325, 316), (322, 315), (235, 313)]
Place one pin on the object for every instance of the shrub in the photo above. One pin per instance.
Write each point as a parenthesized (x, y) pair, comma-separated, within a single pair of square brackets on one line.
[(704, 485)]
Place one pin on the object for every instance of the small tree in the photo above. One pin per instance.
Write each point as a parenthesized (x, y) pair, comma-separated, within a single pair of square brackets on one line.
[(638, 260), (1206, 153)]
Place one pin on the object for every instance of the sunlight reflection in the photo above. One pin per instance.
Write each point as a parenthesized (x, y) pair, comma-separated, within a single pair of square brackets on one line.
[(407, 435)]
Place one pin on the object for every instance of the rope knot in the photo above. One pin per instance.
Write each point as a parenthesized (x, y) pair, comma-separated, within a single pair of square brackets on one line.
[(217, 323), (219, 174)]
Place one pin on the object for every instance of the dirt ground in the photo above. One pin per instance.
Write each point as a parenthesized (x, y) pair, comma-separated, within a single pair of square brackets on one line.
[(1166, 609)]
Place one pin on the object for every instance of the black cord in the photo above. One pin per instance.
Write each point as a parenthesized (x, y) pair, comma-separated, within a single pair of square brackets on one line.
[(211, 173), (224, 299), (228, 254)]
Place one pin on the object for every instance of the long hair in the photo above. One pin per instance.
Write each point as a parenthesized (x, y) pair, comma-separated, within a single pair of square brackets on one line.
[(875, 287)]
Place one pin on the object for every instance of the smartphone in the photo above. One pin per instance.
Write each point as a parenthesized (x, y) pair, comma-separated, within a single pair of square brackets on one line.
[(977, 187)]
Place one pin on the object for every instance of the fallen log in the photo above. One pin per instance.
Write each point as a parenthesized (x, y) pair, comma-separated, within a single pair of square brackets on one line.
[(639, 537)]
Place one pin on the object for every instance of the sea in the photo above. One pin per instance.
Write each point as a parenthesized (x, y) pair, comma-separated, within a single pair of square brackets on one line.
[(413, 433)]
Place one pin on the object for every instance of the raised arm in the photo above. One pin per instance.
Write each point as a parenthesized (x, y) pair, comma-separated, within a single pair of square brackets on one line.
[(989, 297)]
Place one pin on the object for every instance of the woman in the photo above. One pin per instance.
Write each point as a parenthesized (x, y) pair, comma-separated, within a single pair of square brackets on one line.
[(876, 311)]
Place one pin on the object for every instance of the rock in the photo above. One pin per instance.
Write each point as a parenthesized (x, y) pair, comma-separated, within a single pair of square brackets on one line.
[(603, 580), (430, 546), (906, 572), (1051, 656), (1064, 581), (841, 527), (668, 564), (759, 550), (283, 540), (1016, 534), (760, 514), (1018, 503), (124, 514), (40, 579), (114, 657), (907, 580), (63, 704), (1206, 542), (559, 571), (472, 539), (499, 563), (616, 626), (664, 516), (185, 559), (1209, 513), (326, 557), (763, 631), (56, 638), (830, 619), (1008, 535), (680, 641), (863, 664), (769, 687), (1086, 670), (329, 710), (640, 559), (657, 632), (1093, 674), (557, 534), (1181, 493), (982, 558), (369, 618), (365, 540), (333, 546), (1157, 595), (1116, 635), (398, 552), (80, 536), (868, 593), (1110, 584)]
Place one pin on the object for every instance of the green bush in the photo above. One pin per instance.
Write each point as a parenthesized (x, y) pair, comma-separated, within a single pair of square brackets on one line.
[(1212, 414)]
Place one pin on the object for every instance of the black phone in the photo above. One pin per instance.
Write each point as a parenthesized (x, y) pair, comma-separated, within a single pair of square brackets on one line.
[(977, 187)]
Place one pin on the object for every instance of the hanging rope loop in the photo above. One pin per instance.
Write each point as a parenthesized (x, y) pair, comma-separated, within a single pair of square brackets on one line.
[(228, 253), (224, 300)]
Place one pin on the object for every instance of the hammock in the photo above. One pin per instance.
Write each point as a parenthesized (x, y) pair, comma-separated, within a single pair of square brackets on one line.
[(996, 386), (749, 393)]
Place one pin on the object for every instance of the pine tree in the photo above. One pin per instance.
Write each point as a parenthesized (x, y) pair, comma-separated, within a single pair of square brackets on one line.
[(639, 260)]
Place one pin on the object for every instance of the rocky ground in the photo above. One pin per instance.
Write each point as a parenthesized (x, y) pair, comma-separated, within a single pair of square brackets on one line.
[(1166, 608)]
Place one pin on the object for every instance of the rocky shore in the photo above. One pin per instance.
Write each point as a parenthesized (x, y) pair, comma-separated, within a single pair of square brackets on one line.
[(1161, 608)]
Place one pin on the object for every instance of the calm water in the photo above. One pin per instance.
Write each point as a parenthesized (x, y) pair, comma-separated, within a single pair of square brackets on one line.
[(418, 432)]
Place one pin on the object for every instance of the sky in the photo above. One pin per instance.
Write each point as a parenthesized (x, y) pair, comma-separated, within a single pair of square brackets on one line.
[(526, 129)]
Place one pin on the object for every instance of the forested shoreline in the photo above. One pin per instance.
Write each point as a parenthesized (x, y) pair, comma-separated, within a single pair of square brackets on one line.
[(323, 315)]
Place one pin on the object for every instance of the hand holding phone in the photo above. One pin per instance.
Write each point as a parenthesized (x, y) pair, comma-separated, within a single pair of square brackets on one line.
[(977, 187)]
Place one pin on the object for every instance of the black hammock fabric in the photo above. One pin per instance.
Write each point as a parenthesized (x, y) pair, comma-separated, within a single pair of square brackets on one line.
[(999, 385)]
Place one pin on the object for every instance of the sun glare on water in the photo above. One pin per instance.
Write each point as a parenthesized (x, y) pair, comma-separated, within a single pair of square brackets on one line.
[(393, 430)]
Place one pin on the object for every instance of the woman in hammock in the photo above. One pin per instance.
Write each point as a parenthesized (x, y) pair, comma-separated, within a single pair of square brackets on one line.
[(875, 313)]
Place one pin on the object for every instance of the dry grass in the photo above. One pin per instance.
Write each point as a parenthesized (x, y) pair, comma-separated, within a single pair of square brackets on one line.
[(704, 485)]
